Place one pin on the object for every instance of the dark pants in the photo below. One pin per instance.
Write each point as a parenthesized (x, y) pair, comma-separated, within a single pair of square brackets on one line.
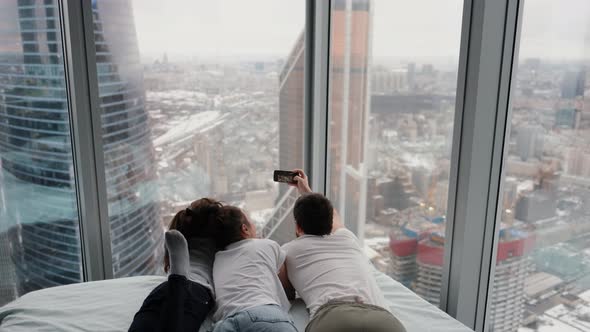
[(176, 305)]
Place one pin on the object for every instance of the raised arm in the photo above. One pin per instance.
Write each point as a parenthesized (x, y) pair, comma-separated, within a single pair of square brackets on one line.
[(337, 221), (302, 185), (301, 182)]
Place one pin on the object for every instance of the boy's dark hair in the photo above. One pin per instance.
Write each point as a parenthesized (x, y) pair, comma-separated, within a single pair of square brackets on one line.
[(314, 214), (229, 226)]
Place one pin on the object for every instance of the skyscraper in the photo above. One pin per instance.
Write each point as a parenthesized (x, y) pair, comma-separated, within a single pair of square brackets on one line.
[(349, 56), (529, 142), (417, 260), (39, 219), (136, 232), (291, 134), (291, 108), (573, 84), (38, 216)]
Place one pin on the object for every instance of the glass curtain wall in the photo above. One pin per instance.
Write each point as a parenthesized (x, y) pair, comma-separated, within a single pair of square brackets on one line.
[(198, 98), (393, 77), (541, 278), (39, 231)]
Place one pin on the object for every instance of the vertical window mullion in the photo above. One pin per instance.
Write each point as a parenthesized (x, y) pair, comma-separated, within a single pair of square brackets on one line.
[(317, 68), (508, 70), (82, 89), (486, 58), (456, 147)]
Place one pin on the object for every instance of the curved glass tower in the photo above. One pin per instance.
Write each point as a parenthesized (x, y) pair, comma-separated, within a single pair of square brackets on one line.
[(39, 232), (136, 232)]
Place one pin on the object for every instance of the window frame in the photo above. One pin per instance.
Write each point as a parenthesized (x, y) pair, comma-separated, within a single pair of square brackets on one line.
[(489, 43), (89, 168), (317, 74), (488, 54)]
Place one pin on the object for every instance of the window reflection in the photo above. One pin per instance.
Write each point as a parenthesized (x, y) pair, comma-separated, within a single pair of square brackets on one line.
[(39, 234), (208, 102), (392, 103), (541, 280)]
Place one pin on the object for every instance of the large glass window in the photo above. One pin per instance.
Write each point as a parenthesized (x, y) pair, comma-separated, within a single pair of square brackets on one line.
[(198, 98), (393, 78), (541, 281), (39, 233)]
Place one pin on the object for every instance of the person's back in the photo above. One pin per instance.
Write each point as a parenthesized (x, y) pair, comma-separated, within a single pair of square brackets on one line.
[(328, 269), (331, 267), (245, 275), (249, 292)]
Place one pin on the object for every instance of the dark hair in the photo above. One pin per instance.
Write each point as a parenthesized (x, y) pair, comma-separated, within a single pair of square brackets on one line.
[(229, 226), (314, 214), (198, 220)]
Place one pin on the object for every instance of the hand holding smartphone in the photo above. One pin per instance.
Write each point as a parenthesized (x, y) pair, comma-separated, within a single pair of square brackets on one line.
[(285, 176), (289, 178)]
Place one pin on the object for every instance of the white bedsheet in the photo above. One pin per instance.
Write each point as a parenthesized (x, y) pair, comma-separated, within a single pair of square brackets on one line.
[(110, 305)]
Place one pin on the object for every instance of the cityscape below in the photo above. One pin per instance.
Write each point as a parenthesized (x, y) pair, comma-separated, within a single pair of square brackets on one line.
[(177, 129)]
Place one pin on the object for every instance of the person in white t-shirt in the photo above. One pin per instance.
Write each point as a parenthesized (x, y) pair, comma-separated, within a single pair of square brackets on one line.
[(248, 275), (329, 270)]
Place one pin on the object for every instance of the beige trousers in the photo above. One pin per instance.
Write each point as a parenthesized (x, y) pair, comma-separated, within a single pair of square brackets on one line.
[(353, 317)]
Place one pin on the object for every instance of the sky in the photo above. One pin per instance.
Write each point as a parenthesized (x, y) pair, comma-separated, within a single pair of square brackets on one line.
[(556, 29), (401, 28), (218, 27)]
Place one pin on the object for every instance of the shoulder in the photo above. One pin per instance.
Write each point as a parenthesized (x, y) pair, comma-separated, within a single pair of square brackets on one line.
[(345, 237), (289, 246), (267, 246), (265, 243), (299, 244), (344, 233), (271, 252)]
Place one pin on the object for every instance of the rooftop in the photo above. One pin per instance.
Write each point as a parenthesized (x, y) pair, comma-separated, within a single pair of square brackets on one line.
[(540, 283)]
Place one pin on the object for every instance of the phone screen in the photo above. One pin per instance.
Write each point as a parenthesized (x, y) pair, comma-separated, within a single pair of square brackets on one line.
[(284, 176)]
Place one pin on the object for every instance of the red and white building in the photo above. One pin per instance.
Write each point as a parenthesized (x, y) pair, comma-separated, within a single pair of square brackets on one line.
[(418, 263)]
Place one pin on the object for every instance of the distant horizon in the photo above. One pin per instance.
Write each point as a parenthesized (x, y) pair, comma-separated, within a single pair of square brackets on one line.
[(150, 58), (249, 57)]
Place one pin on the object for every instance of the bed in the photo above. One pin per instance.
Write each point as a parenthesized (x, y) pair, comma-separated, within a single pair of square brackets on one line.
[(110, 305)]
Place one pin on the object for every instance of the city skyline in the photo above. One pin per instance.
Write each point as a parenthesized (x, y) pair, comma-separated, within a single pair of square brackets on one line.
[(218, 124)]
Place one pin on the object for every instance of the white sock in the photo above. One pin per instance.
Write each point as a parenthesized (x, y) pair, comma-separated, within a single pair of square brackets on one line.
[(177, 252)]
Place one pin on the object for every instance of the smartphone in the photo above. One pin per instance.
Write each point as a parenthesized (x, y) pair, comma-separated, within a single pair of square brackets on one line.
[(285, 176)]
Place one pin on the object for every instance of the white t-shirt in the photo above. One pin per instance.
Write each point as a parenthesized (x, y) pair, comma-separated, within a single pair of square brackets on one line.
[(201, 255), (245, 276), (331, 267)]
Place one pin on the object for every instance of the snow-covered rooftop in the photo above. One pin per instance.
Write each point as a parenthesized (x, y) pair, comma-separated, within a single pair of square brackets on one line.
[(185, 129)]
